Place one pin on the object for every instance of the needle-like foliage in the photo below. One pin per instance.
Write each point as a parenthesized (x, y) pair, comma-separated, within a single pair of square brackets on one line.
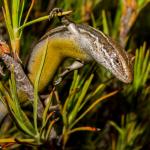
[(89, 109)]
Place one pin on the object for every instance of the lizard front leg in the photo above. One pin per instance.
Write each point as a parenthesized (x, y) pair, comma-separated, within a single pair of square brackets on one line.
[(75, 65)]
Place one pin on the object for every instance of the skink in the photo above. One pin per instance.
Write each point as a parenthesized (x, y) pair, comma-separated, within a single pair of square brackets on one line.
[(83, 43)]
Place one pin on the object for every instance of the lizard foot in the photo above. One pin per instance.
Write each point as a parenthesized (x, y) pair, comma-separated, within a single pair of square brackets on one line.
[(58, 12), (75, 65), (56, 82), (55, 12)]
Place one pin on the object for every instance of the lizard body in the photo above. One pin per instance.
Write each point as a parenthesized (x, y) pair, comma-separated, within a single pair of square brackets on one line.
[(83, 43)]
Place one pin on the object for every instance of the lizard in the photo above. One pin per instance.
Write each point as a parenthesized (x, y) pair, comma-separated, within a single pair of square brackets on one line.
[(83, 43)]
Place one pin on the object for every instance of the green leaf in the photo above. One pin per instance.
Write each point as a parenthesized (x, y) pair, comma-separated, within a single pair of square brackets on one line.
[(15, 13), (92, 106), (72, 92), (7, 18), (14, 108), (141, 67), (36, 85), (21, 11), (98, 90), (47, 108), (117, 20), (105, 23), (74, 112)]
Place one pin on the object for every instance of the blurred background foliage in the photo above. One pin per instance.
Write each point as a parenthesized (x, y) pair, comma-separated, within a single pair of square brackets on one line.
[(124, 117)]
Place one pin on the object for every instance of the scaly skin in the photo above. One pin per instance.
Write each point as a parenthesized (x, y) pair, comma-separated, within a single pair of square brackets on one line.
[(83, 43), (60, 45)]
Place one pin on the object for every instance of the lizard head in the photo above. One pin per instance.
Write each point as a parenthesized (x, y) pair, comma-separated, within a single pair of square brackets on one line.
[(120, 65), (107, 53), (110, 55), (114, 58)]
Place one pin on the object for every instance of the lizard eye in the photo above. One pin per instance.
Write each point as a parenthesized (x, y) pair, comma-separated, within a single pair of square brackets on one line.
[(116, 60)]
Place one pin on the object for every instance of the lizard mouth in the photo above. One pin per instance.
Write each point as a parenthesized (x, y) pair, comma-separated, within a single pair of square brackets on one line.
[(128, 78), (124, 77), (127, 75)]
